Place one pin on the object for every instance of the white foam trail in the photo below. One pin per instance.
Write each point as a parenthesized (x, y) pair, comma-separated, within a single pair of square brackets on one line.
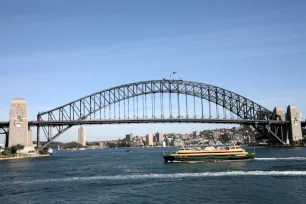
[(281, 158), (164, 176)]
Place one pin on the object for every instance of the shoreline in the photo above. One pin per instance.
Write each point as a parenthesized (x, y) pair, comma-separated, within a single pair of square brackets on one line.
[(22, 157)]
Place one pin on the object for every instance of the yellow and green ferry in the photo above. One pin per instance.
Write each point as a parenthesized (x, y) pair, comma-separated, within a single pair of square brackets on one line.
[(210, 153)]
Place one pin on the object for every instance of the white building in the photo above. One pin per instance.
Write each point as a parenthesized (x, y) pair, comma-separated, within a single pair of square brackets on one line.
[(160, 136), (82, 136)]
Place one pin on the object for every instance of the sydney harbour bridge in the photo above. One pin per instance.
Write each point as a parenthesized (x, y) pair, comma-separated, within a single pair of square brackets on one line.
[(155, 101)]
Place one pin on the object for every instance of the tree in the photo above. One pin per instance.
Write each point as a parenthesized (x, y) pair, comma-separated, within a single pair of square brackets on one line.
[(15, 148), (44, 151), (6, 153)]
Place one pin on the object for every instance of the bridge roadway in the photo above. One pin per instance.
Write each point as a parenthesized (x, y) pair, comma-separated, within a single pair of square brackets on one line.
[(4, 124), (155, 120)]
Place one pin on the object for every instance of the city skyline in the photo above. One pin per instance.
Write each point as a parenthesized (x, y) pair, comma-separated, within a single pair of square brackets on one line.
[(131, 135), (244, 134)]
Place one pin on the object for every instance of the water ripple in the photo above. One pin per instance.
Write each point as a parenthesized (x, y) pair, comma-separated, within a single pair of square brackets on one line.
[(281, 158), (164, 176)]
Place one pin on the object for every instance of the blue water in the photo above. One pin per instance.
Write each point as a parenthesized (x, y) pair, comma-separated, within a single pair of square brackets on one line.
[(278, 175)]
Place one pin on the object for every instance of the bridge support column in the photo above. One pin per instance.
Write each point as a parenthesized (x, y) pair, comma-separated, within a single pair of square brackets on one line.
[(294, 118), (38, 140), (6, 139), (38, 135), (18, 126)]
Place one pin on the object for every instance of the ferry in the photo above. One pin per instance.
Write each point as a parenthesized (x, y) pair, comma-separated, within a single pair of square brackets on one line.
[(209, 153)]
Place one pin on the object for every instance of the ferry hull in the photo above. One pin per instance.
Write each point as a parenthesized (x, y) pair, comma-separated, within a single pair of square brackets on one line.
[(170, 158)]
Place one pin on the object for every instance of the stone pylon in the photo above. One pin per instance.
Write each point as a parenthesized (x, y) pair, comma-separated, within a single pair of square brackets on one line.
[(295, 129), (19, 132), (18, 129), (283, 132), (30, 138)]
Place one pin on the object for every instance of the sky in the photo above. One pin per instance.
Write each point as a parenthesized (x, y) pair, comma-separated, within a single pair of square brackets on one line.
[(53, 52)]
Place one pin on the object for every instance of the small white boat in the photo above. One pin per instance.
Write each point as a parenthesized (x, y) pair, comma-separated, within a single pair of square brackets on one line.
[(50, 151)]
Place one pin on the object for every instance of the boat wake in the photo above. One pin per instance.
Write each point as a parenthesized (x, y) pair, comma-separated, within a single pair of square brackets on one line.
[(281, 158), (162, 176)]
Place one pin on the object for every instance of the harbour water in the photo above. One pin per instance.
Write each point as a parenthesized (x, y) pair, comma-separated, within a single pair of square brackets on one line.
[(277, 175)]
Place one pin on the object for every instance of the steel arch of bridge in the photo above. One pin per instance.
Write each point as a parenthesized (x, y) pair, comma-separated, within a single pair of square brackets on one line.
[(4, 130), (92, 105)]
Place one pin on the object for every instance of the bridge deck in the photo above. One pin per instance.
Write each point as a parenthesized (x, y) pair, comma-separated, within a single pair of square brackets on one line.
[(4, 124), (173, 120), (156, 120)]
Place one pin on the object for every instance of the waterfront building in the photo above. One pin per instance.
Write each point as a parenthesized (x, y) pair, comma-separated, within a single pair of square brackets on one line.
[(82, 136), (178, 142), (137, 143), (159, 136), (143, 138), (149, 139), (216, 134), (129, 137), (195, 133), (169, 141)]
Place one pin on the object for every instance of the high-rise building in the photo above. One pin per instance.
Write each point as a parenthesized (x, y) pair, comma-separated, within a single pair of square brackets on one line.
[(82, 136), (129, 137), (195, 133), (149, 139), (159, 136)]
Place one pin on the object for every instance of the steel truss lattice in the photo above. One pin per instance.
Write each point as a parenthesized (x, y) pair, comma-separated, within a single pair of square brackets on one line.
[(135, 100)]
